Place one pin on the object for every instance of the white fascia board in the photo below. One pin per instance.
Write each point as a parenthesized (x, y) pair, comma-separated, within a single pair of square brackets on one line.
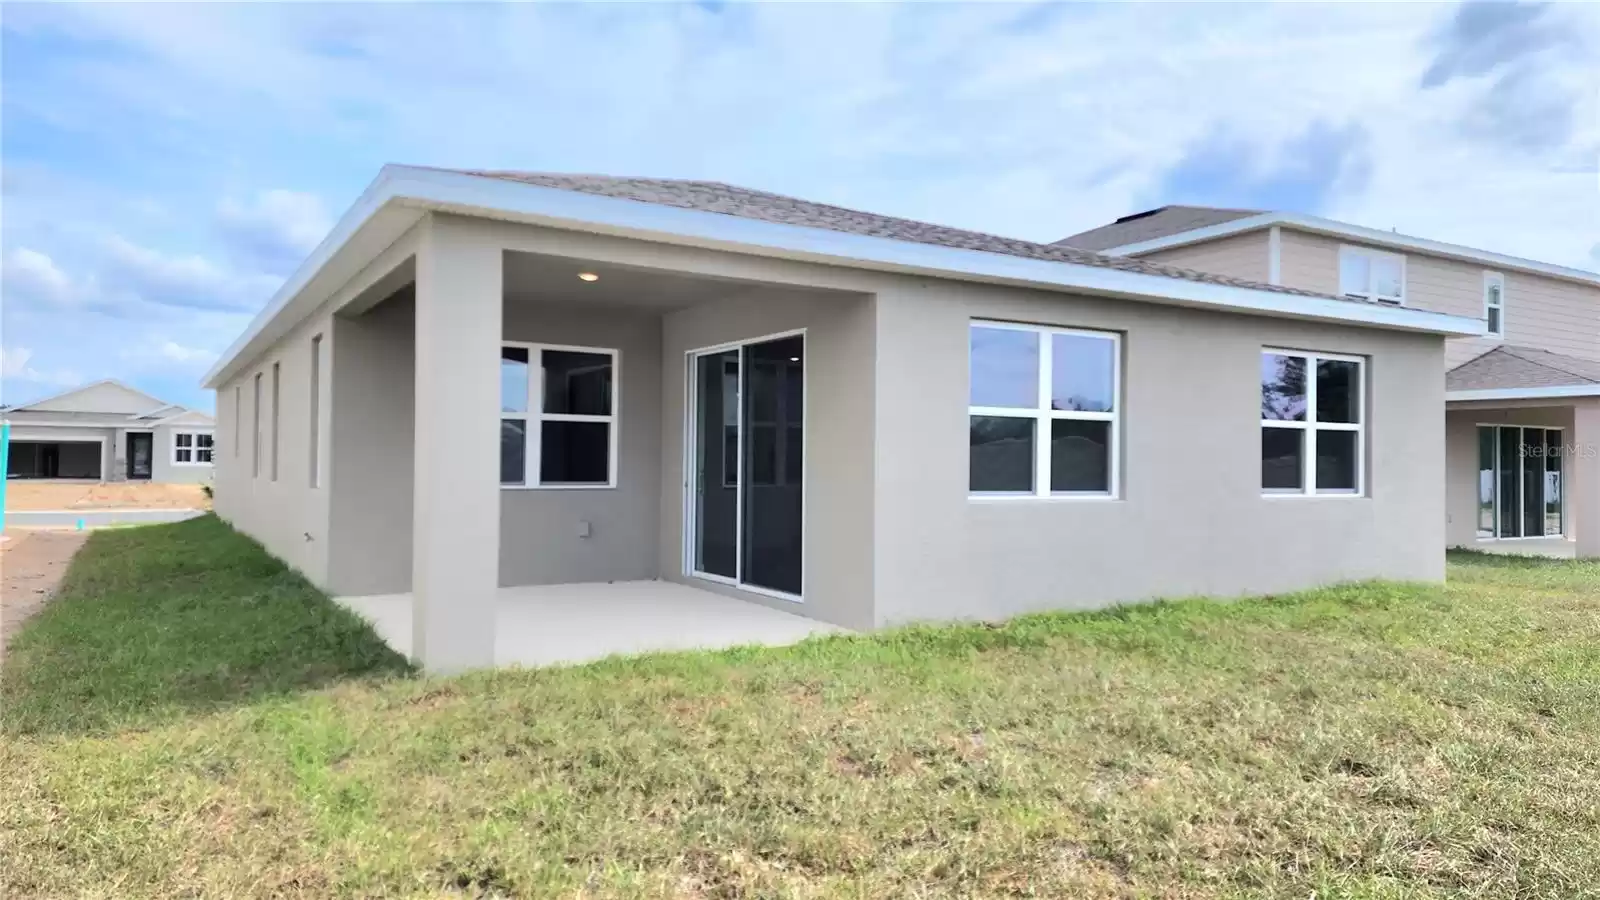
[(432, 189), (1346, 231), (1542, 393)]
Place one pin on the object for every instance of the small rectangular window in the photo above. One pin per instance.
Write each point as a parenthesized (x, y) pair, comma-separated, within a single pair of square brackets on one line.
[(1313, 435), (1369, 274), (255, 432), (192, 448), (315, 423), (1043, 411), (276, 441), (238, 418), (558, 416), (1494, 304)]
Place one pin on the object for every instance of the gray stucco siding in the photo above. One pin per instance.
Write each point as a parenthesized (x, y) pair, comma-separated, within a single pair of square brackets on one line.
[(838, 497), (542, 538), (1191, 518)]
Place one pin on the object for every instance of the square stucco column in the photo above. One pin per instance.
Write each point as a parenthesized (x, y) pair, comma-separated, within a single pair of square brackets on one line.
[(456, 513), (1585, 487)]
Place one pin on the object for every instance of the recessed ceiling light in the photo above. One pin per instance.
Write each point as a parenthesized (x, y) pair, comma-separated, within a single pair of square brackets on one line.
[(794, 359), (588, 276)]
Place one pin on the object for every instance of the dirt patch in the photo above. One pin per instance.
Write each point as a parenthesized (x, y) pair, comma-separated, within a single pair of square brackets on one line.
[(32, 564), (29, 495)]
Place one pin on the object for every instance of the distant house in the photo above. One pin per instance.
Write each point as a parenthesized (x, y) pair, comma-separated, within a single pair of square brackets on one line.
[(108, 431)]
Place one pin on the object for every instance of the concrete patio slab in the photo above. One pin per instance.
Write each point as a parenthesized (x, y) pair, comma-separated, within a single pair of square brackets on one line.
[(541, 625)]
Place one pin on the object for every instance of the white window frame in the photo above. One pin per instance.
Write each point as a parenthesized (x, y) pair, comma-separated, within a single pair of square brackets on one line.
[(1499, 506), (1042, 415), (1348, 250), (534, 417), (1494, 280), (194, 447), (1310, 426)]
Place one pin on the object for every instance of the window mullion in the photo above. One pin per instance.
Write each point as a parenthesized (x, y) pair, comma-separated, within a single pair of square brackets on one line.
[(1041, 418), (533, 433), (1310, 461)]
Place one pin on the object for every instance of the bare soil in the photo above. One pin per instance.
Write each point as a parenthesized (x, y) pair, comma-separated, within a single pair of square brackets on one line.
[(29, 495), (32, 564)]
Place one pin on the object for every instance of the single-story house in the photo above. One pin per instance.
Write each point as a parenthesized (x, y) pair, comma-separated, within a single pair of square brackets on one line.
[(485, 380), (108, 431)]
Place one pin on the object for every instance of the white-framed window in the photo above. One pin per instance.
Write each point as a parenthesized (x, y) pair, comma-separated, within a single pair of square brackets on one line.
[(1044, 410), (192, 448), (1521, 482), (1372, 274), (558, 416), (1313, 423), (1494, 304)]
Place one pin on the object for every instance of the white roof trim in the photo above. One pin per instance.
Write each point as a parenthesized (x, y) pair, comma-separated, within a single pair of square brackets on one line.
[(1540, 393), (1357, 233), (432, 189)]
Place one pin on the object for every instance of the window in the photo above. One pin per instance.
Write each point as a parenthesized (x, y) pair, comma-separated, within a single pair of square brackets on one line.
[(238, 418), (255, 435), (558, 422), (1372, 275), (275, 440), (1043, 411), (1312, 436), (315, 448), (1494, 303), (192, 448), (1520, 488)]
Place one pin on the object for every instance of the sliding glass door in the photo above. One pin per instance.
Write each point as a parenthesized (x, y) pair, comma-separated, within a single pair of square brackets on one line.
[(1520, 486), (746, 464)]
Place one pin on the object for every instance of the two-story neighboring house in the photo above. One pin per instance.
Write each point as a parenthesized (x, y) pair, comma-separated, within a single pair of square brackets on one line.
[(1522, 456)]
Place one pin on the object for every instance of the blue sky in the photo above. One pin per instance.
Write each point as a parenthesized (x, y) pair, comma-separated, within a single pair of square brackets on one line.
[(166, 166)]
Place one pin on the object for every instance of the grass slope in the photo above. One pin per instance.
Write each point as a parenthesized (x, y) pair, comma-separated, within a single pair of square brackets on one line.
[(1362, 741)]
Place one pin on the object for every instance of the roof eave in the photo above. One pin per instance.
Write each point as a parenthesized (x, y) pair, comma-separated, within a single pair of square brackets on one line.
[(430, 189), (1555, 392), (1359, 233)]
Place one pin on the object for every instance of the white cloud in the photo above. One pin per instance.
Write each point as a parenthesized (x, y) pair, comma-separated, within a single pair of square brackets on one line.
[(35, 274), (131, 271), (276, 230), (16, 363)]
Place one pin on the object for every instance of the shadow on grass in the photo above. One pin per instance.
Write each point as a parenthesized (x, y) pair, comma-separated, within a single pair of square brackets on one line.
[(160, 622)]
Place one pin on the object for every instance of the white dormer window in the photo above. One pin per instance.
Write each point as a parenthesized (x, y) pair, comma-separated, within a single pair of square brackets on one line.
[(1372, 275), (1494, 304)]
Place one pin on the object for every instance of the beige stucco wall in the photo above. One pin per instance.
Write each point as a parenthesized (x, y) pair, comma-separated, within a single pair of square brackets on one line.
[(1241, 256), (541, 539), (1541, 312), (839, 505), (286, 514), (1192, 519)]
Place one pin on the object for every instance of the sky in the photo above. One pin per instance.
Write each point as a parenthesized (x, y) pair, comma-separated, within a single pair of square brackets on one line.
[(164, 167)]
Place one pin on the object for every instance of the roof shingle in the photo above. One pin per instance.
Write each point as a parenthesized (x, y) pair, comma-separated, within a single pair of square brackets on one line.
[(1152, 224), (1511, 368), (716, 197)]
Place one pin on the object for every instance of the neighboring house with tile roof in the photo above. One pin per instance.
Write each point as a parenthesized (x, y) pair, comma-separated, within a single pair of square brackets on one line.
[(486, 382), (108, 431), (1532, 378)]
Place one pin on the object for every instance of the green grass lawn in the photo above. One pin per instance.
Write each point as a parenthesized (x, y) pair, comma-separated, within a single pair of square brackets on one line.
[(189, 719)]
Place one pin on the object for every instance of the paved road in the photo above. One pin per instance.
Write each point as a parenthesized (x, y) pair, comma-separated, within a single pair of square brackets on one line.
[(95, 518)]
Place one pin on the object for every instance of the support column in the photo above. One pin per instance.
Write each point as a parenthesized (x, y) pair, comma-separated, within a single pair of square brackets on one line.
[(456, 513), (1584, 458), (118, 462)]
